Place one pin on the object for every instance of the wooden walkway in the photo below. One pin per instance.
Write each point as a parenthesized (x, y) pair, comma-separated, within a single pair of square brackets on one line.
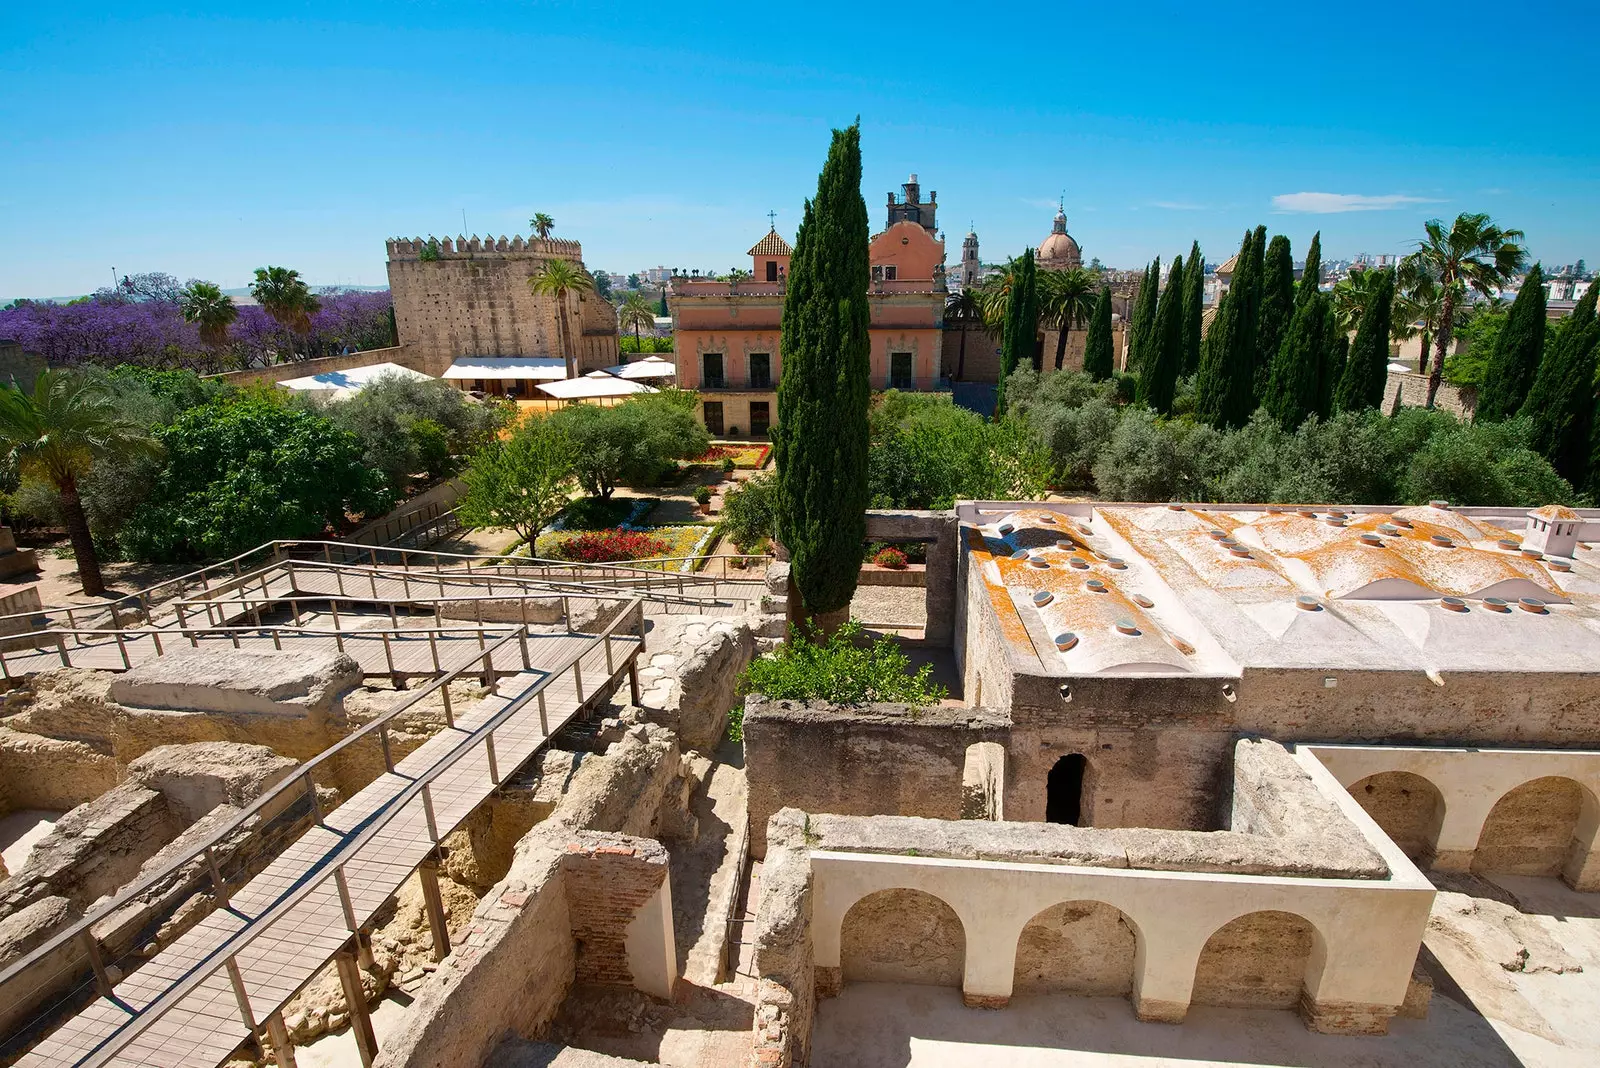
[(188, 1005)]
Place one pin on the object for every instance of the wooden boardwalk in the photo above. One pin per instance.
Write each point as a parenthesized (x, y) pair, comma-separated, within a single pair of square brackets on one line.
[(187, 1005)]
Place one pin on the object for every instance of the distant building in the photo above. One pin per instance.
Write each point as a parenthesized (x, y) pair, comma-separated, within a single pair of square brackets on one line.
[(971, 266), (727, 333), (1060, 251)]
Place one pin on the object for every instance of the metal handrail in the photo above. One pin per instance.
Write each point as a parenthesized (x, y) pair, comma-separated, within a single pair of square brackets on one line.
[(302, 777), (226, 952)]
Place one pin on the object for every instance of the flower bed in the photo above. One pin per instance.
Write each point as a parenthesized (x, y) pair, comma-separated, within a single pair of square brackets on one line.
[(748, 457), (604, 546), (670, 542)]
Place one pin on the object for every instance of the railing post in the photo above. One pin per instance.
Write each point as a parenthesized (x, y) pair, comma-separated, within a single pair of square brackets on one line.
[(611, 668), (427, 810), (433, 647), (216, 877), (388, 656), (577, 678), (278, 1035), (61, 647), (383, 740), (494, 765), (444, 691), (122, 647), (544, 716), (311, 792), (433, 904), (633, 679), (488, 670), (242, 996), (522, 640), (356, 998), (91, 948)]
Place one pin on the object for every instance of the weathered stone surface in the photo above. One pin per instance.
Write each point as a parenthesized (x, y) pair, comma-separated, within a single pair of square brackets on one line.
[(234, 681), (520, 1053), (197, 778), (52, 773), (20, 934), (690, 674), (790, 982)]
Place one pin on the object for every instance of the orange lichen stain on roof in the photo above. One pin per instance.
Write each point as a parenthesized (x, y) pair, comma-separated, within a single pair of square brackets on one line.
[(1443, 521), (1348, 565), (1288, 534), (1011, 625), (1555, 511)]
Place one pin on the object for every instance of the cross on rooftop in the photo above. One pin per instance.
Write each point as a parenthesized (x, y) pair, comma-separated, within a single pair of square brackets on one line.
[(772, 219)]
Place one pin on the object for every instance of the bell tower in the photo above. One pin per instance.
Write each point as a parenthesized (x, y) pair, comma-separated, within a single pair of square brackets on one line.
[(971, 266)]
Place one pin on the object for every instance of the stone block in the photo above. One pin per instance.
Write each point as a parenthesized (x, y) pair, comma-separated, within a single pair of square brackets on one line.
[(234, 681), (20, 934), (198, 777)]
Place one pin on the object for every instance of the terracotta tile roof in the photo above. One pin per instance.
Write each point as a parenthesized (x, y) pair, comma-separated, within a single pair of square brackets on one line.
[(771, 245)]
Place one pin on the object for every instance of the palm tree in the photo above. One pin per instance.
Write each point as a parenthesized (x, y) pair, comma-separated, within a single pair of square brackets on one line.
[(541, 224), (1066, 299), (57, 434), (1418, 304), (965, 309), (1474, 253), (557, 279), (205, 305), (637, 313), (284, 296)]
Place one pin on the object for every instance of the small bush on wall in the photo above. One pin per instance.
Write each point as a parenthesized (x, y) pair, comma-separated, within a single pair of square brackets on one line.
[(808, 667)]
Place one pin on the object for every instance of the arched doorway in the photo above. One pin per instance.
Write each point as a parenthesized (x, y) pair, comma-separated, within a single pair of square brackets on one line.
[(902, 936), (1085, 948), (1530, 830), (1064, 790), (1256, 961), (1408, 807)]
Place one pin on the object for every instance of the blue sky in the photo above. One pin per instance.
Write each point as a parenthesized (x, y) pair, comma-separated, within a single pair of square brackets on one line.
[(209, 140)]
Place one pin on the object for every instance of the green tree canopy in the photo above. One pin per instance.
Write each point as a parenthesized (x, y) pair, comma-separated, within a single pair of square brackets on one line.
[(1277, 306), (1519, 347), (1560, 404), (633, 443), (1294, 380), (1158, 376), (1142, 323), (1194, 296), (247, 469), (1021, 336), (820, 442), (1366, 372), (1099, 360), (1225, 391), (521, 482), (1311, 276)]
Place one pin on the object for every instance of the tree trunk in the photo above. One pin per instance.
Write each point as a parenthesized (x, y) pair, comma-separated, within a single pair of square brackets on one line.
[(82, 544), (1442, 341), (1061, 345), (1422, 360), (566, 338)]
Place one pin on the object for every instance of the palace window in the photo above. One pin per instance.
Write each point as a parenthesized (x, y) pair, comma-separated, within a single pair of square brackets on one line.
[(760, 370), (760, 418), (713, 410), (711, 371), (900, 370)]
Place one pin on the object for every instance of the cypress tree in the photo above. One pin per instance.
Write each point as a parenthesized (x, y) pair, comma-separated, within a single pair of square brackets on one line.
[(661, 310), (1311, 277), (1022, 323), (1158, 377), (1335, 358), (1517, 351), (1561, 400), (825, 390), (1098, 359), (1294, 383), (1367, 370), (1225, 392), (1194, 295), (1144, 317), (1277, 306)]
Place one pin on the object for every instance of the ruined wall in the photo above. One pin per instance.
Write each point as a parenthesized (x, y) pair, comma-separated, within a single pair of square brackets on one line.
[(1407, 807), (1256, 961), (789, 982), (474, 300), (902, 936), (1530, 831), (1413, 392), (52, 773), (877, 759), (608, 879), (1077, 947), (690, 675)]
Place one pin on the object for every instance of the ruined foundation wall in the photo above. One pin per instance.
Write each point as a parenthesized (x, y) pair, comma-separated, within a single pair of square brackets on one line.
[(1084, 948), (872, 760), (902, 936), (789, 982)]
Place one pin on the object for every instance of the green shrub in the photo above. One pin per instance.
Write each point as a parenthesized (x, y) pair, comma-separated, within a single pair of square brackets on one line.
[(603, 513), (702, 495), (634, 443), (841, 671), (644, 344), (749, 512)]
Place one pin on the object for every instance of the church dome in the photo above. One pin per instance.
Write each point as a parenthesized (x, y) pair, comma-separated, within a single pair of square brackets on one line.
[(1060, 251)]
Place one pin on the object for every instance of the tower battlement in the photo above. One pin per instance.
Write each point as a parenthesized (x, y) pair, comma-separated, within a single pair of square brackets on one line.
[(463, 247)]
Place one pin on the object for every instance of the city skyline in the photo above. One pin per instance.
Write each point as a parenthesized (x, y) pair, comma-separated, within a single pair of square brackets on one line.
[(207, 146)]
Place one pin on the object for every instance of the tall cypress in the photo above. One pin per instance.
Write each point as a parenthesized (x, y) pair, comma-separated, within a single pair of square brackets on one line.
[(1226, 388), (1335, 358), (1311, 277), (1158, 377), (1022, 323), (1517, 351), (1194, 295), (1294, 383), (1277, 306), (1142, 327), (1561, 400), (1098, 358), (1366, 372), (820, 441)]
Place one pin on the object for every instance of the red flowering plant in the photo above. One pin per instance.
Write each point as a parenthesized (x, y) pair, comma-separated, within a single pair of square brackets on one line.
[(603, 546)]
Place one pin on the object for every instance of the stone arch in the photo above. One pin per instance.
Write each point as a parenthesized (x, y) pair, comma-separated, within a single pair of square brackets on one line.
[(902, 936), (1532, 829), (1408, 807), (1086, 948), (1258, 960)]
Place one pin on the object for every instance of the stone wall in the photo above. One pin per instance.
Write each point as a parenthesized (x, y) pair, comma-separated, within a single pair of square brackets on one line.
[(877, 759), (1530, 831), (279, 372), (902, 936), (475, 301), (55, 774), (1084, 948), (1413, 392), (18, 365), (1257, 961), (788, 982), (939, 531), (690, 675)]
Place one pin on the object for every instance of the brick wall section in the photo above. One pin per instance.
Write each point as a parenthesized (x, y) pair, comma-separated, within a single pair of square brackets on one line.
[(608, 878)]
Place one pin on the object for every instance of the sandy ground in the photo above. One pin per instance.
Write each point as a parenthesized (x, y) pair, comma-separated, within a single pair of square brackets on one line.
[(1482, 1015), (59, 583), (20, 830), (338, 1050)]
